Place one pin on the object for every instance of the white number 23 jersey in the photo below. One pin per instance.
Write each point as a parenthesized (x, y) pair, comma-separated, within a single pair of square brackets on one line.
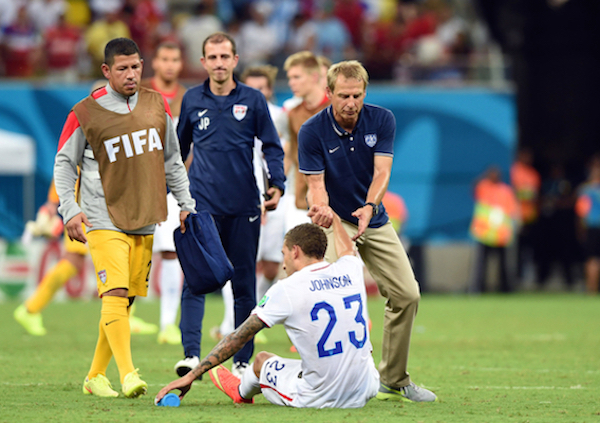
[(323, 308)]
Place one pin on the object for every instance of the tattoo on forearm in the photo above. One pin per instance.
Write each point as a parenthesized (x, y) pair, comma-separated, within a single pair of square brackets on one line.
[(229, 345)]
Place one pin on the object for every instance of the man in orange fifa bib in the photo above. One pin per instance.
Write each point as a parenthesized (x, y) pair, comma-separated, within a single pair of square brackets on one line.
[(124, 141)]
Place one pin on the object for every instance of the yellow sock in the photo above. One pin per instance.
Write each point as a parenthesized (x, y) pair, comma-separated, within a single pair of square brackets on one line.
[(53, 280), (115, 322), (102, 355)]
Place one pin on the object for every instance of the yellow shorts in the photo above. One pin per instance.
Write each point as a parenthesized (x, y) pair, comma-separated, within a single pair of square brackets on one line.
[(75, 247), (121, 261)]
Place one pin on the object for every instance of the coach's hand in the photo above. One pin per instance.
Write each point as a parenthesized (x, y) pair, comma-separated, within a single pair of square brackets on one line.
[(321, 214), (182, 216), (183, 384), (75, 227), (364, 215)]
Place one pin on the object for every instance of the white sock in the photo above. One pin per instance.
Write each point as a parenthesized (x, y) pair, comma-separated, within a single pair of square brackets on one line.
[(250, 385), (228, 323), (170, 291), (262, 286)]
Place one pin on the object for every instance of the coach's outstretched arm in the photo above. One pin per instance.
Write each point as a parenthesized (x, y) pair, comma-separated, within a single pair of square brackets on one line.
[(228, 346), (318, 200)]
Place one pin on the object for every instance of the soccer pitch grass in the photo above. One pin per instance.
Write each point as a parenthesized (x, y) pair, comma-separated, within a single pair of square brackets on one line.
[(489, 358)]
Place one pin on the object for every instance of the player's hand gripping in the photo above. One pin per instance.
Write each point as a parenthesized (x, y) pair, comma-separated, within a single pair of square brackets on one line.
[(183, 385), (75, 227)]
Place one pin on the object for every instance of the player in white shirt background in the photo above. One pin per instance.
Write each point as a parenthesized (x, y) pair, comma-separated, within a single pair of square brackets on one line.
[(323, 308)]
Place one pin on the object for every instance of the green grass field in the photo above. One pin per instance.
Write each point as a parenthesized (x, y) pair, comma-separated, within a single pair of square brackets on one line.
[(521, 358)]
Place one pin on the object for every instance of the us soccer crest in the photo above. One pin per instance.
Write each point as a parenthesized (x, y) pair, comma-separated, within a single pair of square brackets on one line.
[(239, 111), (371, 139), (102, 276)]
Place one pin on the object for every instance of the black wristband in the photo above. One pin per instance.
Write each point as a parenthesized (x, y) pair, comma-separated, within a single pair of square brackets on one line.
[(375, 208)]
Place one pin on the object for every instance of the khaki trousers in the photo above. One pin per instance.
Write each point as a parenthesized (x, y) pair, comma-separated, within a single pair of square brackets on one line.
[(386, 260)]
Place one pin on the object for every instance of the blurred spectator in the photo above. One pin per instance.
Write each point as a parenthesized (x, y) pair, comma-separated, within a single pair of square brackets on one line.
[(8, 11), (333, 39), (144, 19), (405, 41), (384, 47), (588, 210), (46, 13), (62, 46), (493, 227), (282, 15), (352, 14), (526, 182), (102, 7), (100, 33), (419, 20), (302, 35), (20, 46), (192, 34), (257, 38), (78, 13), (557, 236)]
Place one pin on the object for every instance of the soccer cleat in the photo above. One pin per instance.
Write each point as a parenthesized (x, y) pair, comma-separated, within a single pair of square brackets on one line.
[(183, 367), (170, 335), (139, 327), (32, 322), (228, 384), (133, 386), (99, 386), (408, 393), (239, 368)]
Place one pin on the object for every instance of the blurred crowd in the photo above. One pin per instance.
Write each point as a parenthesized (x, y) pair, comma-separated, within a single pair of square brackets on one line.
[(552, 218), (401, 41)]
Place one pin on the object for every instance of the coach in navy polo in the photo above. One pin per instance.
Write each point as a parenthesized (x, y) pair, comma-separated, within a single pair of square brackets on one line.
[(346, 152), (222, 117)]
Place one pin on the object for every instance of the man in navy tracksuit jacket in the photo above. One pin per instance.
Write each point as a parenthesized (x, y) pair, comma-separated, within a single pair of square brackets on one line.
[(221, 118)]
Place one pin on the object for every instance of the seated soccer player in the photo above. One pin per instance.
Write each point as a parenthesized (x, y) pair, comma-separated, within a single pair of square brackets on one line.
[(323, 308)]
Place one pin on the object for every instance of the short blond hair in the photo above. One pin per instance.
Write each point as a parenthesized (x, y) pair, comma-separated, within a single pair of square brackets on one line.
[(266, 71), (306, 59), (349, 69)]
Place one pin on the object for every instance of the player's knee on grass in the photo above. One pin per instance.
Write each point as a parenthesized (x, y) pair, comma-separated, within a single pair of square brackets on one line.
[(260, 359)]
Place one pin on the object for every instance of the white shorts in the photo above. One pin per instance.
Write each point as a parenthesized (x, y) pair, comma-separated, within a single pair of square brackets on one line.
[(270, 242), (163, 234), (281, 383), (279, 378)]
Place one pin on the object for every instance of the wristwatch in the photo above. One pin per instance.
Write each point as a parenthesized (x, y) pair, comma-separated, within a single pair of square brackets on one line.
[(375, 208)]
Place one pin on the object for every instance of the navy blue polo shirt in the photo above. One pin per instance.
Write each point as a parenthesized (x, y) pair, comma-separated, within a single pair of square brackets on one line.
[(347, 159), (222, 130)]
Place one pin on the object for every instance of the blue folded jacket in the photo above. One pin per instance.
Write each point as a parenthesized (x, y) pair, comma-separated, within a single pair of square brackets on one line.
[(201, 254)]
